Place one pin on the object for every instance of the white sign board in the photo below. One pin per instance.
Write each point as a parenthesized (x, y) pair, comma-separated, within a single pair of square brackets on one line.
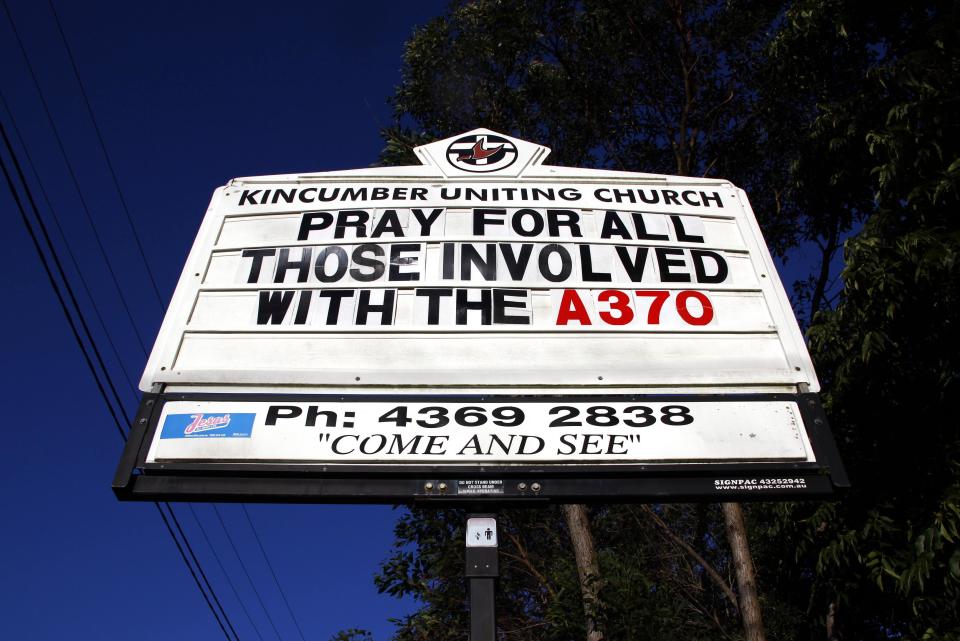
[(440, 276), (441, 431), (479, 311)]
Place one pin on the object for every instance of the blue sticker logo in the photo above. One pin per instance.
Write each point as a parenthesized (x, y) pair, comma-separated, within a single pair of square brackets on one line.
[(207, 426)]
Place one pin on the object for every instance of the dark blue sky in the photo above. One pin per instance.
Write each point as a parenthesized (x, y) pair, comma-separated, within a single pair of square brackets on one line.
[(188, 95)]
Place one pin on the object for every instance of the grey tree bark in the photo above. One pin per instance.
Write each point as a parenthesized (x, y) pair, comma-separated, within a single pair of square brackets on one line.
[(746, 576), (588, 568)]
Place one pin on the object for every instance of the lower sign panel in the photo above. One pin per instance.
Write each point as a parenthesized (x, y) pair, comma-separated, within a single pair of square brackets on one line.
[(490, 431), (515, 449)]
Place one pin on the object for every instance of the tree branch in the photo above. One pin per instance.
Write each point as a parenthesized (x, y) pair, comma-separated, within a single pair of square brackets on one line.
[(686, 547), (524, 559), (828, 249)]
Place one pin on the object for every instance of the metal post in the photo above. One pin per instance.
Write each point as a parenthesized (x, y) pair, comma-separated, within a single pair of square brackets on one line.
[(483, 625), (482, 570)]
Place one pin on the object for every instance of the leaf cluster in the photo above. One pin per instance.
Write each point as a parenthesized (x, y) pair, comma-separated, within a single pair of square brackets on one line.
[(841, 119), (650, 587), (887, 557)]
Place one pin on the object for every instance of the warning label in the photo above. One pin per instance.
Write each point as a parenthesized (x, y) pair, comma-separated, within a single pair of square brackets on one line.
[(480, 486)]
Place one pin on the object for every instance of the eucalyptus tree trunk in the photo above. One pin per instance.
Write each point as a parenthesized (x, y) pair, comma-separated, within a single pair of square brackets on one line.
[(588, 569), (746, 576)]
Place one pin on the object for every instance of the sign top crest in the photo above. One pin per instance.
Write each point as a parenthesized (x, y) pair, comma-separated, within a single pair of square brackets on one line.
[(482, 153)]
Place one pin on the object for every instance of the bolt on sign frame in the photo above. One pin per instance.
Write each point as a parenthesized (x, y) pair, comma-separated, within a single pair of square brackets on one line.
[(482, 327)]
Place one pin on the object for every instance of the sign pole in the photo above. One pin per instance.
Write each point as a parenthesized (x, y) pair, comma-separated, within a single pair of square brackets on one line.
[(482, 570)]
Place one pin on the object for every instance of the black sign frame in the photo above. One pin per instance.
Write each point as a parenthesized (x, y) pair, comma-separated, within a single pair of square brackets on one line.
[(517, 485)]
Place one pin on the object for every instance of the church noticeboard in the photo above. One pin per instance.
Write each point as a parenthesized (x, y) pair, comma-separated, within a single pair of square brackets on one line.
[(481, 326)]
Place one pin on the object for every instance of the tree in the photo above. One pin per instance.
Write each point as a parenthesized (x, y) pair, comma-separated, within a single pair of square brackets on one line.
[(675, 87), (885, 561), (640, 86), (840, 119), (659, 86), (653, 586), (353, 634)]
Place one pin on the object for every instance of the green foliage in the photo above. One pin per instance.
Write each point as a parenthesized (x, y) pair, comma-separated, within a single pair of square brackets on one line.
[(888, 353), (650, 589), (841, 119), (353, 634), (666, 87)]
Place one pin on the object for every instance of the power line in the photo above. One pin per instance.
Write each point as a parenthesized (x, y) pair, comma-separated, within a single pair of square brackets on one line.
[(63, 278), (203, 574), (192, 573), (123, 301), (244, 566), (25, 187), (73, 176), (216, 556), (73, 258), (274, 574), (103, 147), (53, 282)]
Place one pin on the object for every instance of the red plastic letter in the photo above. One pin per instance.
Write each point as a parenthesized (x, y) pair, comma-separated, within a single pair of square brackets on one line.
[(572, 308), (620, 303)]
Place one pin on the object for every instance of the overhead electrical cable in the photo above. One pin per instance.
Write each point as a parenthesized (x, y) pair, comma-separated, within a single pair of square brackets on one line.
[(192, 573), (123, 301), (223, 569), (56, 289), (63, 277), (103, 147), (274, 574), (73, 177), (73, 258), (203, 574), (244, 566), (78, 313)]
